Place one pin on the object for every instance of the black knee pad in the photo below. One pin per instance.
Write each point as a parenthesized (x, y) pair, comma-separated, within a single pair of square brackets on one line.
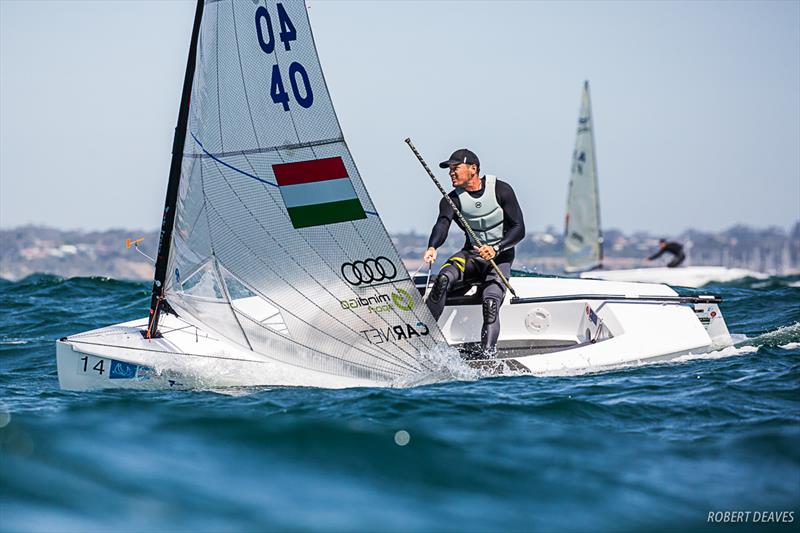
[(490, 308), (440, 287)]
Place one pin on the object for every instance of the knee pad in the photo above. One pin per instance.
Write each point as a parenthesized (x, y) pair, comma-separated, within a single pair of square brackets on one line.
[(490, 309), (440, 287)]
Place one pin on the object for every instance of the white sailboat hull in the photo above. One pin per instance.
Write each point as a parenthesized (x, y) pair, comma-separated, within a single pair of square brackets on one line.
[(694, 276), (588, 333)]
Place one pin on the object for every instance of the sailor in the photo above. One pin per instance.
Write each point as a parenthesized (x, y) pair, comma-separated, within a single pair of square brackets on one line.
[(675, 248), (490, 207)]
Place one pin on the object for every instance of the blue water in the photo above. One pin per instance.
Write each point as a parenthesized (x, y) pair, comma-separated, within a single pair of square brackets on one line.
[(651, 447)]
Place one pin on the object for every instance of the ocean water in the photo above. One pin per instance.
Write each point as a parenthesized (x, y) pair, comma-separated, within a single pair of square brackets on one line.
[(653, 447)]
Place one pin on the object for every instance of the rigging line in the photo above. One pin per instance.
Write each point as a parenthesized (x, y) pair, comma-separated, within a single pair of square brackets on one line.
[(241, 71), (223, 163), (399, 362), (215, 158)]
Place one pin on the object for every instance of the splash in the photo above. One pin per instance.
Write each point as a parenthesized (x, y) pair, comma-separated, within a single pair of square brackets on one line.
[(784, 335), (728, 351), (446, 364)]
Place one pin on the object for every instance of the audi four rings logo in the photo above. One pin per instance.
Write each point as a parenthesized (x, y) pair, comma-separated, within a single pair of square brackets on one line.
[(369, 271)]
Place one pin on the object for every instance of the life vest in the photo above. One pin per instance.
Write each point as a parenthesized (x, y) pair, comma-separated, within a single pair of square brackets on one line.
[(483, 214)]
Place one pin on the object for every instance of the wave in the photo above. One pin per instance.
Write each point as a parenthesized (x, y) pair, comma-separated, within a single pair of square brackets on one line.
[(778, 338)]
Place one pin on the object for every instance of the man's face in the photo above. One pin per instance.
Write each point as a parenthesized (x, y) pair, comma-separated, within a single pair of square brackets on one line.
[(461, 173)]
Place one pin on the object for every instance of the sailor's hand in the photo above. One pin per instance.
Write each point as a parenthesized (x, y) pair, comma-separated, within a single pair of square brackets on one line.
[(486, 252), (430, 255)]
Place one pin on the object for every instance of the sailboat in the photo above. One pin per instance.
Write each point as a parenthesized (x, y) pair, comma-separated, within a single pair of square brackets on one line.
[(274, 267), (583, 236)]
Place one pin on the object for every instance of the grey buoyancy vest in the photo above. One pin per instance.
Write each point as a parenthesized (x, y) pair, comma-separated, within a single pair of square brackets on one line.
[(483, 214)]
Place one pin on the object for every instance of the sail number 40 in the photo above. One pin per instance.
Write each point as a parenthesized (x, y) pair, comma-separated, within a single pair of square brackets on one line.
[(297, 73)]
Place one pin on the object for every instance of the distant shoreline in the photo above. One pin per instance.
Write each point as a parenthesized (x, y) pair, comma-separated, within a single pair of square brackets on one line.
[(28, 250)]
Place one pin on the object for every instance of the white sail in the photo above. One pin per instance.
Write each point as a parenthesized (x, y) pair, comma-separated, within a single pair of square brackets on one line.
[(277, 245), (582, 233)]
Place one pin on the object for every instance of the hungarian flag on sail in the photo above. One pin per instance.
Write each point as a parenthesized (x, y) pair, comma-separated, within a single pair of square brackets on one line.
[(318, 192)]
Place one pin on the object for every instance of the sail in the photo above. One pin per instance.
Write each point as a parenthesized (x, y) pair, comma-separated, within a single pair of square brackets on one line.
[(276, 244), (583, 239)]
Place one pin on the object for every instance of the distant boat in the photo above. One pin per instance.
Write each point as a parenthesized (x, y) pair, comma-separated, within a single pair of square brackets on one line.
[(274, 266), (583, 236)]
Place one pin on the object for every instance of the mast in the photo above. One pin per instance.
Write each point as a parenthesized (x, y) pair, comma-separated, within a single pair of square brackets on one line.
[(157, 302), (596, 187)]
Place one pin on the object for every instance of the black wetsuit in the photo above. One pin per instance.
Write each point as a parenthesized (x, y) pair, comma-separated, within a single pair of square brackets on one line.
[(676, 249), (467, 266)]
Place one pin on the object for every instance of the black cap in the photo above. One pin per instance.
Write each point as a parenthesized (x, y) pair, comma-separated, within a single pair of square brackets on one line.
[(461, 156)]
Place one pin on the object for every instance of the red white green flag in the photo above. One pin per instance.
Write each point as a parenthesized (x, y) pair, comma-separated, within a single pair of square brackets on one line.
[(318, 192)]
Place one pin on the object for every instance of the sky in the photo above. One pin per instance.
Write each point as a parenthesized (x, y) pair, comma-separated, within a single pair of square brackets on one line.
[(696, 106)]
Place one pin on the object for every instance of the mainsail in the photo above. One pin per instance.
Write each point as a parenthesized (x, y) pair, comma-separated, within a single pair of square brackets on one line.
[(276, 244), (583, 240)]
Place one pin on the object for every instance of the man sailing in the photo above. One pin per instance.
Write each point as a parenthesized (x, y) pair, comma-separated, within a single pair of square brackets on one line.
[(490, 207), (674, 248)]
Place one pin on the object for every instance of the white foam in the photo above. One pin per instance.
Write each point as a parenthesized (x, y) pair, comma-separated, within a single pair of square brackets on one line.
[(728, 351), (790, 346), (782, 335), (446, 365)]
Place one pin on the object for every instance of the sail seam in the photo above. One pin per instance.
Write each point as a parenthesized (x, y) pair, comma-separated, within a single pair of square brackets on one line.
[(322, 259), (398, 362), (216, 79), (293, 146), (256, 219), (241, 72), (365, 191)]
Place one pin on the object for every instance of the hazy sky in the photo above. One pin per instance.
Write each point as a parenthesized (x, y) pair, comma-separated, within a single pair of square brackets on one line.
[(696, 106)]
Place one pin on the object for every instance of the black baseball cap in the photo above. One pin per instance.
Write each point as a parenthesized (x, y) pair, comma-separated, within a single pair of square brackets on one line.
[(461, 156)]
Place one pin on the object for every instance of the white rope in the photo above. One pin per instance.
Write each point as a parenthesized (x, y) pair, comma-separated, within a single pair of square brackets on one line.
[(427, 279)]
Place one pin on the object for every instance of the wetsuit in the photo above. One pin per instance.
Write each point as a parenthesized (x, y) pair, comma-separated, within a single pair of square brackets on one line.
[(676, 249), (467, 265)]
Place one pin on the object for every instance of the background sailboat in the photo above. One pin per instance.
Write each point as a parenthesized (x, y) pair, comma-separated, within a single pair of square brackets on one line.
[(583, 236)]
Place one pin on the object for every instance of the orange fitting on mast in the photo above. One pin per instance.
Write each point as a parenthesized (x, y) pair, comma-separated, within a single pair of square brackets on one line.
[(129, 243)]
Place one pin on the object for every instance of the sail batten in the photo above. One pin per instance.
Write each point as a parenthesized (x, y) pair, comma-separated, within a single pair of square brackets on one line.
[(277, 245), (582, 231)]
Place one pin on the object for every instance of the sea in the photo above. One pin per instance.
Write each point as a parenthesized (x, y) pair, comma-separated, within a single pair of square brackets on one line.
[(704, 443)]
